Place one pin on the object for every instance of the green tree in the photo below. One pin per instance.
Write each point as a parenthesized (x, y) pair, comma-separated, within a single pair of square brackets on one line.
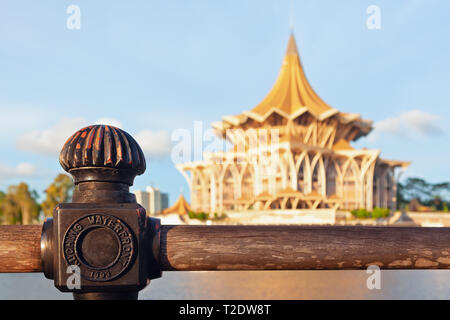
[(19, 205), (59, 191), (426, 193), (27, 201), (417, 188), (10, 209), (401, 200)]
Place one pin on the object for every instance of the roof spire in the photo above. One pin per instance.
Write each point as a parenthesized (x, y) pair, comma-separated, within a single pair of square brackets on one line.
[(292, 47), (292, 94)]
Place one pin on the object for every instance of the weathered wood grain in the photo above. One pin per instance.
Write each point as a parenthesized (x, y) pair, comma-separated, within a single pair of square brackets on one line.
[(20, 249), (265, 248), (303, 248)]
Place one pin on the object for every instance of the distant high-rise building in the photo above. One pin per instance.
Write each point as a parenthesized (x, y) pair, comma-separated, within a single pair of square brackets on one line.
[(152, 199), (164, 201), (142, 197)]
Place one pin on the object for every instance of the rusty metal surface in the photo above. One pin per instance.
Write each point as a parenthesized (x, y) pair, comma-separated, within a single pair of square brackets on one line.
[(102, 153), (103, 233)]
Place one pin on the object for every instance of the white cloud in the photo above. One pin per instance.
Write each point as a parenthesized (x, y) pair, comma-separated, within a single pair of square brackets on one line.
[(51, 140), (109, 121), (408, 124), (154, 143), (21, 170), (25, 169)]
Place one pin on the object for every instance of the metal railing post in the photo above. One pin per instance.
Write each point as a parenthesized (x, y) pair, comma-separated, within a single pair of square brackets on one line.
[(103, 239)]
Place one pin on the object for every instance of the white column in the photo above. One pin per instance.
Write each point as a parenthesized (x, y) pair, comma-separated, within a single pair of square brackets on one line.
[(322, 176), (212, 199)]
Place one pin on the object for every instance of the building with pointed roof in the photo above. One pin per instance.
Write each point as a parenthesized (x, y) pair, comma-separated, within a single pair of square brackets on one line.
[(292, 151), (180, 207)]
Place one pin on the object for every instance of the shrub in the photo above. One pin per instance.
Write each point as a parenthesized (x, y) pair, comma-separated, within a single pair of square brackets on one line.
[(361, 213), (219, 216), (375, 214), (198, 215), (202, 216), (380, 213)]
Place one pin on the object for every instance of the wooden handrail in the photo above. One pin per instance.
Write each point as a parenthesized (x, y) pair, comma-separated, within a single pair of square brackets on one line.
[(199, 248), (20, 248)]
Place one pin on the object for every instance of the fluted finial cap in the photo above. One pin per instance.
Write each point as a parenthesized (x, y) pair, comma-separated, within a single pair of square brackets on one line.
[(102, 153)]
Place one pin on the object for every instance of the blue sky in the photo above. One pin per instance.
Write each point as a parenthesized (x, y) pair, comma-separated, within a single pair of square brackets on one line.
[(156, 66)]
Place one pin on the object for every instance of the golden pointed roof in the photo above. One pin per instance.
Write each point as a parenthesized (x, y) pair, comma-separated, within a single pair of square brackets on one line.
[(290, 97), (180, 207), (292, 94)]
